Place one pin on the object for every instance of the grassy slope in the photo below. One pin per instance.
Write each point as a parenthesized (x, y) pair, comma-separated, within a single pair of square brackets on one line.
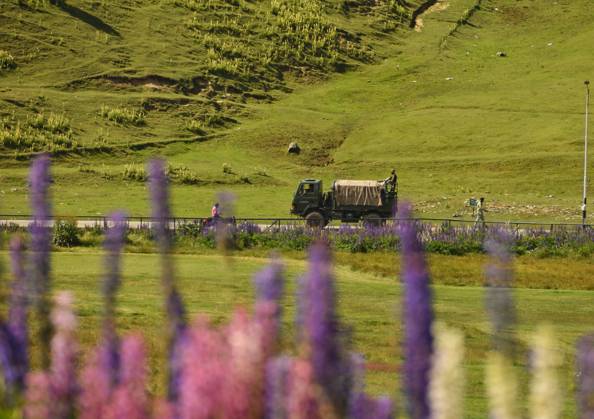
[(369, 303), (506, 128)]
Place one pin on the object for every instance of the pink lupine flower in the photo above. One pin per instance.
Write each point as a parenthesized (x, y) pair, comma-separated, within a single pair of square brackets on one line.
[(244, 389), (38, 398), (96, 386), (130, 399), (164, 409), (204, 363), (303, 401), (64, 352)]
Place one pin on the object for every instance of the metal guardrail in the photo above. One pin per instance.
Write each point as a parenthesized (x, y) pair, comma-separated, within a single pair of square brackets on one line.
[(271, 223)]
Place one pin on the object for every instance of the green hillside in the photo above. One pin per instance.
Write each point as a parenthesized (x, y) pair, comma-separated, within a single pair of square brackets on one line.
[(220, 88)]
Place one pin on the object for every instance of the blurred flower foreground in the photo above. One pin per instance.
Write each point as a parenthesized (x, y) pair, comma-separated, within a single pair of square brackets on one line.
[(237, 370)]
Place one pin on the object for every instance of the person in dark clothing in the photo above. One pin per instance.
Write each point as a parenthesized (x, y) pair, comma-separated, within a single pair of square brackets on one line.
[(392, 181)]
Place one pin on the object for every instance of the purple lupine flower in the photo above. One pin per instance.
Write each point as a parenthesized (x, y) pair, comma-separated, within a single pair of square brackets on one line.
[(270, 282), (64, 354), (17, 313), (276, 393), (498, 294), (10, 361), (39, 279), (418, 317), (585, 372), (114, 242), (130, 399), (95, 386), (331, 363), (174, 305), (269, 289), (365, 407)]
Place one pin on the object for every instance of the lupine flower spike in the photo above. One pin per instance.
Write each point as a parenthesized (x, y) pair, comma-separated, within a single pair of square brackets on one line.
[(502, 387), (447, 374), (17, 330), (362, 406), (130, 399), (277, 391), (39, 278), (546, 399), (585, 372), (269, 290), (114, 242), (418, 318), (174, 306), (330, 361), (498, 294), (64, 353)]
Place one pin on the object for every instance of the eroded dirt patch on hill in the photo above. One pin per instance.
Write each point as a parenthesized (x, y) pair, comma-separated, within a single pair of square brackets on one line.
[(437, 7)]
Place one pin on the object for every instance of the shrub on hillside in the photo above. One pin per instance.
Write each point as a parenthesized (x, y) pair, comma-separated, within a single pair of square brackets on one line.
[(122, 115), (134, 172), (37, 133), (7, 61)]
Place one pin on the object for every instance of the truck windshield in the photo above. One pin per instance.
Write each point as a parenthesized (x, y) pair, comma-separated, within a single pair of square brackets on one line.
[(305, 188)]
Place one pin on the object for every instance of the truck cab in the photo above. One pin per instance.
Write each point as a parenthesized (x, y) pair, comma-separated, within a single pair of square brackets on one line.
[(308, 197)]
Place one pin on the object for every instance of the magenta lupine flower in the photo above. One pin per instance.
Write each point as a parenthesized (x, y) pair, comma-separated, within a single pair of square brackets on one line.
[(205, 365), (114, 242), (330, 362), (277, 391), (64, 353), (39, 281), (174, 305), (130, 399), (418, 317), (96, 386), (39, 400), (585, 374), (499, 294)]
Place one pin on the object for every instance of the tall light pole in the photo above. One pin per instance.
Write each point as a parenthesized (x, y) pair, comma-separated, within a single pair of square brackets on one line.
[(587, 84)]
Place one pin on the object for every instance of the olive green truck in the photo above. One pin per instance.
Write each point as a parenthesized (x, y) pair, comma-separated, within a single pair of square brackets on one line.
[(370, 201)]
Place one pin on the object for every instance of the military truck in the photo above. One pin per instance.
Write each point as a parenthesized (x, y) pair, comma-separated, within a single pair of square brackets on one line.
[(370, 201)]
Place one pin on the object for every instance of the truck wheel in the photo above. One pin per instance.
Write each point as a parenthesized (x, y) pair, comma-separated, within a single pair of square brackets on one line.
[(372, 220), (315, 219)]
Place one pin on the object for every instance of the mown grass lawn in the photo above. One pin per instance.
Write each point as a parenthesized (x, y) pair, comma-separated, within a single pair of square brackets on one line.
[(370, 303)]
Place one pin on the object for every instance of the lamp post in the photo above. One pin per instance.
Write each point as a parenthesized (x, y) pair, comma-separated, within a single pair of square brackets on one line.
[(587, 84)]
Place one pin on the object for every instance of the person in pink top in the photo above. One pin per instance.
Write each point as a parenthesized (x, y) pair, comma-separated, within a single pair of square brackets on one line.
[(214, 212)]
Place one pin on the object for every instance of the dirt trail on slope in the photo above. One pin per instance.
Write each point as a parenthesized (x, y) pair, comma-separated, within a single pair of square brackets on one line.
[(437, 7)]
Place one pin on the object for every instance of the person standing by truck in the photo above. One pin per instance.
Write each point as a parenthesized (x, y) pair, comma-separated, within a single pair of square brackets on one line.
[(392, 180)]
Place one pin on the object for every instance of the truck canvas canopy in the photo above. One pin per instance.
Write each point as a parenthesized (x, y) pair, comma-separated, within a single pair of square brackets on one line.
[(358, 192)]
